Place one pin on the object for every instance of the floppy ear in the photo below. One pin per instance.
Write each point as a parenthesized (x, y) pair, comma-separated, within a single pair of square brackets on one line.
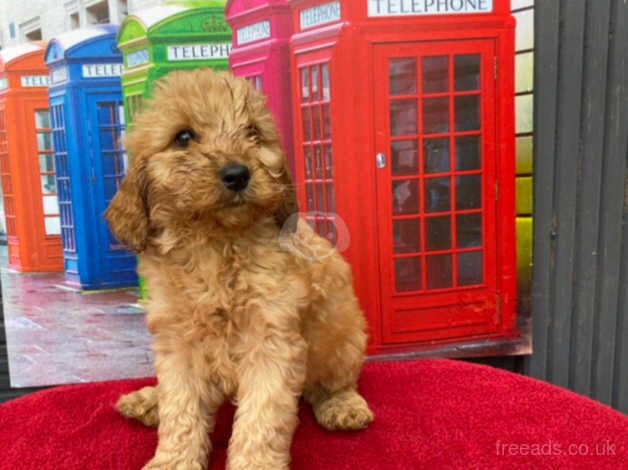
[(127, 213), (286, 214)]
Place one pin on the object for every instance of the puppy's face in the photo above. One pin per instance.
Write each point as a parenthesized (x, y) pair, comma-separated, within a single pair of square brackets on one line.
[(206, 148)]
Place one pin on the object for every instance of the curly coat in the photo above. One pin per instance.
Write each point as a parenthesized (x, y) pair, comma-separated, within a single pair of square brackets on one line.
[(245, 303)]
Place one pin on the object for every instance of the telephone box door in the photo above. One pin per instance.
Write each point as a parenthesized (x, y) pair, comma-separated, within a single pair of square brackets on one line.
[(436, 158), (106, 128)]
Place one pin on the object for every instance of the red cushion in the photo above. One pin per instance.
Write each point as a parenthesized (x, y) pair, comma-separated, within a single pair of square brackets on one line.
[(428, 414)]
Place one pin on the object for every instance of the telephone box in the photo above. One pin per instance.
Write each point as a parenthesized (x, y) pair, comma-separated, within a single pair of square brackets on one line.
[(404, 131), (261, 54), (87, 125), (26, 162), (178, 36)]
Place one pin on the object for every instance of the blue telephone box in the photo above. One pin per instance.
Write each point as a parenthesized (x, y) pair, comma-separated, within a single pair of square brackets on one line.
[(87, 122)]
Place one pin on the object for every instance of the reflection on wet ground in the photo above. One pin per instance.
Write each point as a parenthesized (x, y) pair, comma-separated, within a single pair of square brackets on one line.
[(56, 335)]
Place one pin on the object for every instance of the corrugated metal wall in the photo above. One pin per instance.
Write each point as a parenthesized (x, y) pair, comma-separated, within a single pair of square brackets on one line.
[(579, 303)]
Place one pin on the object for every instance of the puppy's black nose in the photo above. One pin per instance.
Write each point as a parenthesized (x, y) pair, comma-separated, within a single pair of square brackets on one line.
[(235, 177)]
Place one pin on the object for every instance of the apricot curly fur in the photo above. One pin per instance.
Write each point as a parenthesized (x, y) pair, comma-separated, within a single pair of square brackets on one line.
[(244, 303)]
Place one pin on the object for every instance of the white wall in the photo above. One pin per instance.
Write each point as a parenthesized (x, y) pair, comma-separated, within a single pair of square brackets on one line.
[(53, 16)]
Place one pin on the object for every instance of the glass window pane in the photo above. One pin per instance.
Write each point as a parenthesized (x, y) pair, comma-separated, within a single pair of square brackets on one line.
[(325, 79), (402, 74), (331, 199), (305, 84), (319, 189), (42, 119), (467, 113), (435, 115), (404, 158), (436, 155), (315, 87), (309, 196), (326, 122), (467, 72), (48, 184), (318, 162), (328, 162), (437, 233), (44, 141), (53, 225), (406, 236), (307, 155), (51, 205), (46, 163), (468, 192), (524, 113), (307, 123), (408, 274), (470, 269), (435, 74), (437, 195), (405, 197), (316, 122), (468, 153), (403, 115), (438, 271), (524, 72), (469, 230)]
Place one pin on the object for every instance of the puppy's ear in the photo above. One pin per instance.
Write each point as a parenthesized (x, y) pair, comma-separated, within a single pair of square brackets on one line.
[(127, 213)]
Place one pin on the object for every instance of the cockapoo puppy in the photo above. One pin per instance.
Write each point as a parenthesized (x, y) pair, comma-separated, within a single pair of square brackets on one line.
[(242, 304)]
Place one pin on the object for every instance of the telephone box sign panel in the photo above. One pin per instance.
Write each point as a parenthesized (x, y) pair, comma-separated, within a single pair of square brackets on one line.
[(319, 15), (58, 75), (377, 8), (32, 81), (199, 51), (4, 84), (253, 32), (101, 70), (137, 58)]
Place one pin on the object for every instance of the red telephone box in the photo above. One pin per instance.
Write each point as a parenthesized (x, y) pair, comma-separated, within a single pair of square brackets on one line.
[(27, 164), (261, 34), (404, 130)]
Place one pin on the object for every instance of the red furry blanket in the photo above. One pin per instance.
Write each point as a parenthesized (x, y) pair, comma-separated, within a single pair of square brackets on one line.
[(428, 414)]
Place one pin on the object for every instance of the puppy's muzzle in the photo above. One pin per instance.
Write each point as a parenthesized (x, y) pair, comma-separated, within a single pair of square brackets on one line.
[(235, 177)]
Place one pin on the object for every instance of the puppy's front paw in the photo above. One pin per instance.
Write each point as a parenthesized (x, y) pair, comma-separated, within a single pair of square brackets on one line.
[(140, 405), (343, 411)]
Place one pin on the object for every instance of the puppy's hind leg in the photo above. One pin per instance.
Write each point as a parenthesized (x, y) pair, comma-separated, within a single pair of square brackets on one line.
[(335, 366), (140, 405), (342, 410)]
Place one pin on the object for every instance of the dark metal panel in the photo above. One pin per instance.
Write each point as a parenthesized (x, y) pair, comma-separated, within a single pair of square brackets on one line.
[(611, 212), (588, 203), (565, 185), (580, 299), (546, 28)]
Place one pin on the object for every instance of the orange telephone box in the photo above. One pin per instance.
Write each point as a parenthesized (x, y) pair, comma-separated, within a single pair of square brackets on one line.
[(404, 132), (27, 168)]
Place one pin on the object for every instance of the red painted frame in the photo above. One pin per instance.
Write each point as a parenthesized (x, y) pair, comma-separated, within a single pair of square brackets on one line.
[(350, 45)]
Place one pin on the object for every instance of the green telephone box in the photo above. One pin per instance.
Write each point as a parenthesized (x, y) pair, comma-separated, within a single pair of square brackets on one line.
[(174, 36)]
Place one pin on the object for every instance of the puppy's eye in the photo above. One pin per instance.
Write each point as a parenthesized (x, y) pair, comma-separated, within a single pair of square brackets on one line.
[(183, 138), (252, 132)]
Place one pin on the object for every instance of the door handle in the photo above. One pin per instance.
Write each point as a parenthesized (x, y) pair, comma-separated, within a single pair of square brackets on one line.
[(380, 160)]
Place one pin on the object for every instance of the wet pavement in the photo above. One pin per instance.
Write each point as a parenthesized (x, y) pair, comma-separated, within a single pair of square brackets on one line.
[(56, 335)]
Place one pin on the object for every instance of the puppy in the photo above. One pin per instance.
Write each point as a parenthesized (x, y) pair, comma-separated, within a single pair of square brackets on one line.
[(241, 304)]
